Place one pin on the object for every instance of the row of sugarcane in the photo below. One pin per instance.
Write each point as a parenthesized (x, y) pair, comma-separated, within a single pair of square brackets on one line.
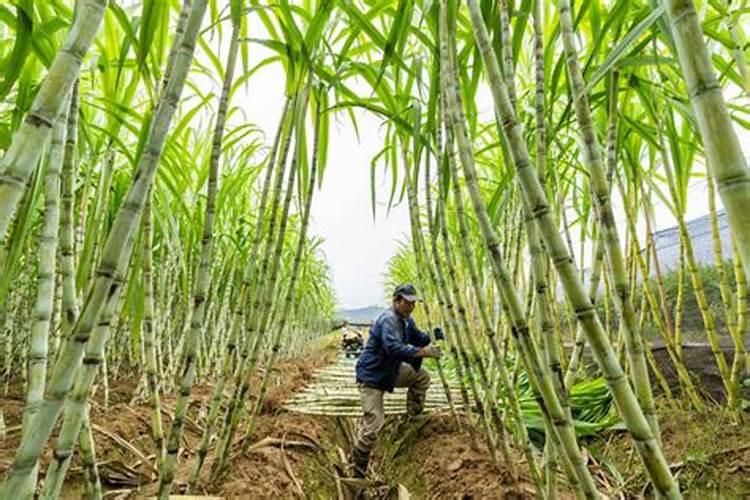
[(488, 250), (522, 234), (172, 277)]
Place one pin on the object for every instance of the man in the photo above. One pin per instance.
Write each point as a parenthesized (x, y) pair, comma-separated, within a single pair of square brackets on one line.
[(391, 358)]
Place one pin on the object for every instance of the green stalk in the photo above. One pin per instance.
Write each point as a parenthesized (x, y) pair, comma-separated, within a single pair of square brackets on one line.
[(22, 156), (438, 285), (93, 488), (422, 259), (697, 281), (69, 306), (592, 160), (580, 341), (682, 374), (468, 350), (741, 280), (76, 403), (288, 305), (726, 294), (522, 435)]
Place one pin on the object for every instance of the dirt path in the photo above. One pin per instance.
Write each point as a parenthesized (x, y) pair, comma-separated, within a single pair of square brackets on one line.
[(293, 452)]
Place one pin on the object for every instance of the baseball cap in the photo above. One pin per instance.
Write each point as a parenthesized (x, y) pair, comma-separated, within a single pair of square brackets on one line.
[(407, 292)]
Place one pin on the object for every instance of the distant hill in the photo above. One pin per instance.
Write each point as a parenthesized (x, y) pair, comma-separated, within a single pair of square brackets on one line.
[(361, 314)]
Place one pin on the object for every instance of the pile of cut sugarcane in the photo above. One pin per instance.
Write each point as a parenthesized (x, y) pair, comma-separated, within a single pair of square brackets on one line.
[(333, 392)]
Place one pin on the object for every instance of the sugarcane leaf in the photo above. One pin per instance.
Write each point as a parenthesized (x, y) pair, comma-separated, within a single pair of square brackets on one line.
[(24, 27)]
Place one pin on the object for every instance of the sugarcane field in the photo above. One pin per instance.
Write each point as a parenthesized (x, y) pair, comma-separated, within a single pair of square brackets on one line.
[(374, 249)]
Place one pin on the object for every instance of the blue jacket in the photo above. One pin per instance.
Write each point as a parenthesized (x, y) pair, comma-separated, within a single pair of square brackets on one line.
[(392, 339)]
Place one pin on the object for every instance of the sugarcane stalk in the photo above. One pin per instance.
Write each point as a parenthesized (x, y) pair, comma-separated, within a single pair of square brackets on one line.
[(69, 300), (36, 357), (93, 488), (289, 297), (468, 352), (522, 435), (420, 254), (726, 294), (504, 282), (592, 160), (77, 401), (682, 374), (264, 297)]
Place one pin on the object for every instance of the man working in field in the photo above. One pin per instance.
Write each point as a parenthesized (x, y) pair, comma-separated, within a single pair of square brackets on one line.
[(391, 358)]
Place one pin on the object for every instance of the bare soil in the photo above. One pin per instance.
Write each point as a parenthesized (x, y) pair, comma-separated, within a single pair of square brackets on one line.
[(293, 453), (708, 451), (439, 462)]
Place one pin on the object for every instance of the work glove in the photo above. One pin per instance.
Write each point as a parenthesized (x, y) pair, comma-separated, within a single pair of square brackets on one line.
[(432, 351), (438, 333)]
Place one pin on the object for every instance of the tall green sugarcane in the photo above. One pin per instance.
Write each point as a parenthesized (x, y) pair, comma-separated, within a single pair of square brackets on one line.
[(123, 227), (247, 281), (21, 158), (616, 262), (202, 281), (598, 255), (93, 488), (738, 45), (697, 281), (682, 374), (264, 297), (438, 284), (628, 406), (741, 297), (260, 274), (42, 316), (286, 310), (504, 282), (436, 280), (723, 151), (495, 411), (418, 244)]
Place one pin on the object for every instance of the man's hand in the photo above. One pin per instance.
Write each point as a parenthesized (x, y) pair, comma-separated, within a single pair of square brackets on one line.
[(430, 351)]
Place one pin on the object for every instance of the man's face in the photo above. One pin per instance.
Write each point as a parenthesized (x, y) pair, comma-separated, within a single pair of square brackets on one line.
[(404, 307)]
